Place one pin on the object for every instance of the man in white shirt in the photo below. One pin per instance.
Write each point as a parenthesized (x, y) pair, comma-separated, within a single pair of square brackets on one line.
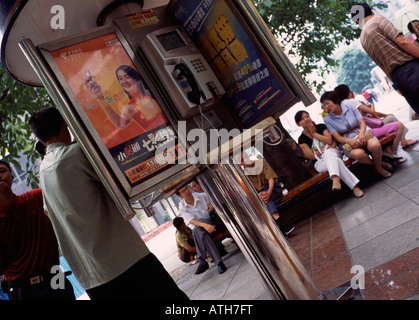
[(105, 253), (195, 208)]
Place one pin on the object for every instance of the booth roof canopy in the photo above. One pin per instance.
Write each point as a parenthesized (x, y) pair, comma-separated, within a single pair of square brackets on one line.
[(20, 19)]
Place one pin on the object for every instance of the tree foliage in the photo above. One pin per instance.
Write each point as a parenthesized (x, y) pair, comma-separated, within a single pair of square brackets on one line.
[(310, 30), (17, 103), (355, 68)]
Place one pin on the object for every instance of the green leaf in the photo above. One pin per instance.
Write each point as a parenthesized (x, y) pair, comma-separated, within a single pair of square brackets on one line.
[(311, 30), (18, 103)]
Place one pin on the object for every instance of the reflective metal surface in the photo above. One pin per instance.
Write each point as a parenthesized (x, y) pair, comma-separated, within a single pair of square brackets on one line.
[(256, 233)]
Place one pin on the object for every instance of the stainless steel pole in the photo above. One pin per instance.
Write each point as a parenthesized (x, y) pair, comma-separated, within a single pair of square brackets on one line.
[(256, 233)]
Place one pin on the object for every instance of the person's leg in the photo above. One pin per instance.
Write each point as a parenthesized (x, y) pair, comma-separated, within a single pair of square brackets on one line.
[(145, 280), (392, 118), (362, 157), (329, 163), (406, 78), (395, 128), (185, 256), (374, 146), (274, 200), (204, 244)]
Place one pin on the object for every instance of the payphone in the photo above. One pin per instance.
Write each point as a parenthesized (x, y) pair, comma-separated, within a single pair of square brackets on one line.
[(183, 70)]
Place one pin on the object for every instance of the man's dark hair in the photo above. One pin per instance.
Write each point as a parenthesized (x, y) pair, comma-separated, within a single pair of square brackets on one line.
[(46, 123), (342, 91), (410, 26), (181, 187), (330, 95), (365, 6), (6, 164), (177, 222)]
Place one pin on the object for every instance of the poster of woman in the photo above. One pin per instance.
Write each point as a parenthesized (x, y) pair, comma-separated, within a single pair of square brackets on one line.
[(110, 89), (117, 102)]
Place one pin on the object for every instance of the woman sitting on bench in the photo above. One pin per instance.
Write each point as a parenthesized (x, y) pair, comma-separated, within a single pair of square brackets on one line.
[(347, 126), (388, 123), (317, 144)]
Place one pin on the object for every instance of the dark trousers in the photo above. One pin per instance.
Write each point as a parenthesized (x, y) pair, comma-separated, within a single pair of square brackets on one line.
[(145, 280), (204, 244), (275, 197), (406, 79), (41, 291), (186, 255)]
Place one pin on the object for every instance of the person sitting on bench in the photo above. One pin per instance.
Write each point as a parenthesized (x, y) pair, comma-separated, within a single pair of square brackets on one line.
[(389, 123), (317, 144), (195, 208), (347, 126), (216, 220), (269, 190)]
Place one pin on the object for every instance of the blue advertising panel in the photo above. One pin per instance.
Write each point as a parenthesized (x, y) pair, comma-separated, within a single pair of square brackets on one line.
[(251, 86)]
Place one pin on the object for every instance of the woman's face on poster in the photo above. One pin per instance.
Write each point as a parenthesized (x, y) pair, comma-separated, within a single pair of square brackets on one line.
[(127, 82)]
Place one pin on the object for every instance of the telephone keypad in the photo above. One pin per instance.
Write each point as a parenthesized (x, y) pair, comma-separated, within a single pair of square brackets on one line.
[(198, 65)]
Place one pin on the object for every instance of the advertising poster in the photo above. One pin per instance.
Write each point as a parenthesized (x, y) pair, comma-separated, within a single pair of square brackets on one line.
[(239, 65), (114, 97)]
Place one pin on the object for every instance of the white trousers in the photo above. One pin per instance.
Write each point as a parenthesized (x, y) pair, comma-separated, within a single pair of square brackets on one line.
[(332, 162)]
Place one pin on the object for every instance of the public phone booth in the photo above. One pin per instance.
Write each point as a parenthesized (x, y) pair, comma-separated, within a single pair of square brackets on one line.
[(210, 80)]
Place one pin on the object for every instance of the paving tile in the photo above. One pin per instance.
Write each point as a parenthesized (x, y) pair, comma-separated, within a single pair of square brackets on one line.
[(190, 286), (303, 227), (333, 273), (371, 210), (299, 241), (381, 224), (305, 258), (392, 269), (416, 200), (241, 278), (399, 288), (213, 293), (405, 174), (325, 233), (410, 190), (372, 193), (249, 290), (387, 246), (323, 218), (329, 251)]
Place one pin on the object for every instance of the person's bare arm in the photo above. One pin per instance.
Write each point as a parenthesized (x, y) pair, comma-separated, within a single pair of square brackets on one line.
[(308, 153), (208, 227), (407, 46)]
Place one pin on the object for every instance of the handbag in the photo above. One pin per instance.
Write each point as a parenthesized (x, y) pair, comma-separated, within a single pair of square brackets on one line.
[(317, 145), (373, 122), (348, 147)]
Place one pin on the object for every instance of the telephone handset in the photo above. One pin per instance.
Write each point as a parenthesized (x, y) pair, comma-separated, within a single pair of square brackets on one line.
[(182, 69), (187, 81)]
